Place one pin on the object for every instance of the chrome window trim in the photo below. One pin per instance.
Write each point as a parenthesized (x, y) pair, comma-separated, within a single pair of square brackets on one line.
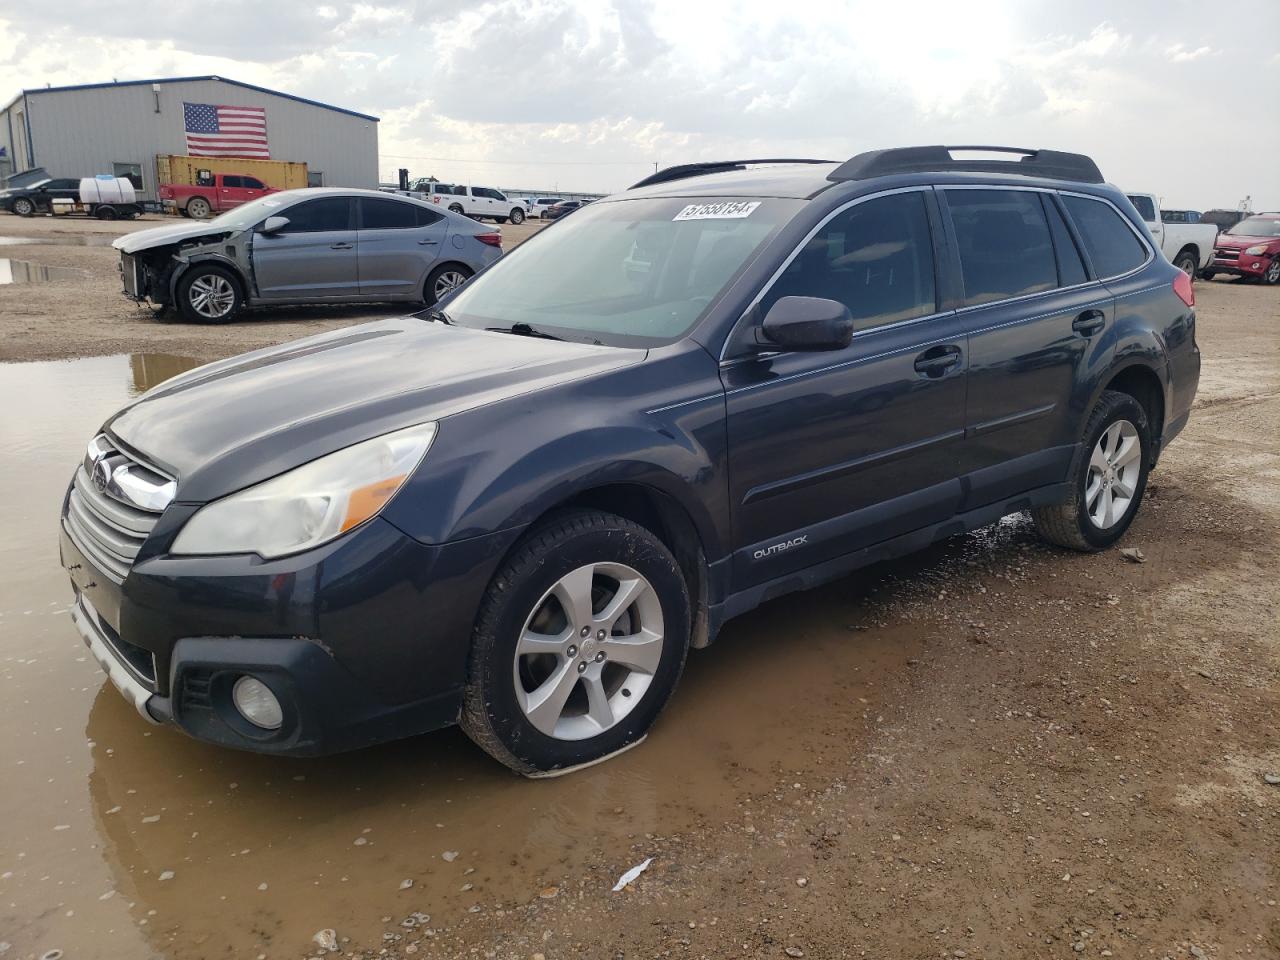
[(768, 284)]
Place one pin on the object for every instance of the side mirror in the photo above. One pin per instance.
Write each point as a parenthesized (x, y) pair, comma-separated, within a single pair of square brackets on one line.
[(805, 323), (273, 225)]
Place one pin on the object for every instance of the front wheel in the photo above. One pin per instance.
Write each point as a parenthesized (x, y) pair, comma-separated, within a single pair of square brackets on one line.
[(1272, 275), (517, 215), (24, 207), (1108, 482), (579, 643), (209, 294)]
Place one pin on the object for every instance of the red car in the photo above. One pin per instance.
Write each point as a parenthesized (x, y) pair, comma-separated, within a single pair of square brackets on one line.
[(216, 193), (1249, 249)]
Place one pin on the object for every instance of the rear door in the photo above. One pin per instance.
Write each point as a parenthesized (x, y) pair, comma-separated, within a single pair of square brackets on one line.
[(314, 257), (398, 242), (833, 451), (1038, 327)]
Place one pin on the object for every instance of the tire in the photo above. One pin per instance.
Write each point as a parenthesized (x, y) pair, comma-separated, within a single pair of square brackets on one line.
[(444, 279), (594, 705), (517, 216), (455, 207), (1208, 274), (208, 293), (24, 207), (106, 212), (199, 208), (1186, 262), (1272, 275), (1119, 418), (499, 219)]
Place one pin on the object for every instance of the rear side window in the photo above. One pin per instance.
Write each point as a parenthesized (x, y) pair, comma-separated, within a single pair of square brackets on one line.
[(1146, 208), (313, 216), (1070, 266), (876, 258), (1110, 242), (427, 217), (1004, 244), (386, 214)]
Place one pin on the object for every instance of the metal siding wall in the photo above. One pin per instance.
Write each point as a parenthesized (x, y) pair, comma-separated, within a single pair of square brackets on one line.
[(80, 133)]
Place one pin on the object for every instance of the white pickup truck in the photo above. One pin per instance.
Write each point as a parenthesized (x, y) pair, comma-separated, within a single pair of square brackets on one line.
[(475, 202), (1188, 246)]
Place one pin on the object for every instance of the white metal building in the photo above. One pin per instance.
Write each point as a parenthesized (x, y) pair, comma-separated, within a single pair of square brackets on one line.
[(119, 128)]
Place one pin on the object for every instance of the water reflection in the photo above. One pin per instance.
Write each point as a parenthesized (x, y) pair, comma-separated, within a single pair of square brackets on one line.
[(25, 271)]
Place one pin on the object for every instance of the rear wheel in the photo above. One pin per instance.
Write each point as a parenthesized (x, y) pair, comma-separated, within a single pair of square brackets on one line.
[(209, 294), (1208, 274), (579, 643), (442, 280), (1186, 262), (107, 212), (455, 207), (1108, 482), (24, 207), (199, 208)]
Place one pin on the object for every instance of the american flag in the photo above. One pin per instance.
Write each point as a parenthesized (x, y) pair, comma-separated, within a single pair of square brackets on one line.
[(216, 130)]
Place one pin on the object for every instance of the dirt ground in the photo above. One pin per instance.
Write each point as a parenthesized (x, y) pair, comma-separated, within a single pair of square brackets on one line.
[(991, 749)]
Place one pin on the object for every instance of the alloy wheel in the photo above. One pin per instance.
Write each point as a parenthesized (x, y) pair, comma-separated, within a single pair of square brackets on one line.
[(1273, 271), (588, 651), (448, 281), (212, 296), (1114, 469)]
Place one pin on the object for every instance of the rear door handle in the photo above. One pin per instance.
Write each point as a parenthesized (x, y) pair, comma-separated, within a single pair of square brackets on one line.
[(339, 246), (936, 361), (1089, 322), (428, 242)]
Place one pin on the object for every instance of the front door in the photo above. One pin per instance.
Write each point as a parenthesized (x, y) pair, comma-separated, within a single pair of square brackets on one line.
[(314, 257), (1037, 328), (398, 243), (833, 451)]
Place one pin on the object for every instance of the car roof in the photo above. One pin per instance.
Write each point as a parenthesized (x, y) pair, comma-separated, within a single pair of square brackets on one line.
[(310, 193)]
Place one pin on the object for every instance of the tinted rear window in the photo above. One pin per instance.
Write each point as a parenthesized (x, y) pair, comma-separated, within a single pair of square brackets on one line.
[(1004, 243), (386, 214), (1111, 244)]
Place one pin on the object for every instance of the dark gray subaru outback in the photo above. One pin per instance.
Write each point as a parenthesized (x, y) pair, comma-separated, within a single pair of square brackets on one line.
[(521, 509)]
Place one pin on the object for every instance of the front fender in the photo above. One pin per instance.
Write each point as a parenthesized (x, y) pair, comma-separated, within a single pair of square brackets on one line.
[(185, 261)]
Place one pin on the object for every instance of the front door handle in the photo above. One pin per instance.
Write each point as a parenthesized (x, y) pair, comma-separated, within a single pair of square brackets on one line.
[(428, 242), (936, 361), (1089, 322), (339, 246)]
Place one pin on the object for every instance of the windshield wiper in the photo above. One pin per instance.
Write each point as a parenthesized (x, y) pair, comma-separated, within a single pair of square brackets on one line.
[(439, 316), (523, 329)]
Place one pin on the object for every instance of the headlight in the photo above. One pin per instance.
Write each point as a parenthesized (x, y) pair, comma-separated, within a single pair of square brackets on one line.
[(311, 504), (1257, 251)]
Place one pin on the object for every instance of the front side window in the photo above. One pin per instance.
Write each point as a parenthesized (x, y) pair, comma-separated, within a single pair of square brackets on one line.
[(626, 273), (876, 258), (315, 216), (1004, 244), (386, 214), (253, 183), (1111, 244)]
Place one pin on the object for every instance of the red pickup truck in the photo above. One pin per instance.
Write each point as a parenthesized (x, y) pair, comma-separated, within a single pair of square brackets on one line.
[(214, 194)]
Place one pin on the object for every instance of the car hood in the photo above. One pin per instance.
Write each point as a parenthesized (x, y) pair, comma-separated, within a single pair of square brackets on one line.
[(163, 236), (1234, 241), (233, 423)]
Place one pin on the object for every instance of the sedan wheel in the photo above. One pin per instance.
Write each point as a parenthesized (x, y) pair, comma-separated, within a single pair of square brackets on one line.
[(589, 651), (212, 296), (448, 280), (24, 207)]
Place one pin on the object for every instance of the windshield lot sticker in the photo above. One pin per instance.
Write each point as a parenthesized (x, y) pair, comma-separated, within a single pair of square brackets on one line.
[(724, 210)]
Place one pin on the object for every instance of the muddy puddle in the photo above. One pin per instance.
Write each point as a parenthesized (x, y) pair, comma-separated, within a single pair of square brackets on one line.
[(66, 240), (25, 271), (118, 839)]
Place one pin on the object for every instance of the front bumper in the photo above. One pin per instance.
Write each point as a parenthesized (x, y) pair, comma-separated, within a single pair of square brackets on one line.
[(1245, 266), (363, 640)]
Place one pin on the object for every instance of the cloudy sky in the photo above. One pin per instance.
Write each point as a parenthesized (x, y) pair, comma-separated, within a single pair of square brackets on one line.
[(589, 94)]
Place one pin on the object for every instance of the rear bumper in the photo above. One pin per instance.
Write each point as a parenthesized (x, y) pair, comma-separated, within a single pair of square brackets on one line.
[(362, 641)]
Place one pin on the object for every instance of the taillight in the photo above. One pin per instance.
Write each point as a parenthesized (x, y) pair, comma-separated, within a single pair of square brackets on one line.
[(1183, 288), (492, 239)]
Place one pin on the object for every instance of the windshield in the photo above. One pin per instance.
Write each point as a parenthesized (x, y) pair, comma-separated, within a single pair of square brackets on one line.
[(628, 273), (1257, 227), (247, 214)]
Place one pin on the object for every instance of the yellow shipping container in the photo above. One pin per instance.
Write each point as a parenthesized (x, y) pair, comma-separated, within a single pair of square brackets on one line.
[(281, 174)]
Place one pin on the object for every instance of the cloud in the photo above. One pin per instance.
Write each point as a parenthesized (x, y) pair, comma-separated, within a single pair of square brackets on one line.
[(1179, 53)]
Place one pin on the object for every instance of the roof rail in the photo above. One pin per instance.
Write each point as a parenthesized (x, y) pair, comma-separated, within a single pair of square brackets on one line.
[(1051, 164), (683, 170)]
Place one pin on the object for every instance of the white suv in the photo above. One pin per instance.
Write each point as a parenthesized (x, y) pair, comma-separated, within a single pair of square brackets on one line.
[(476, 202)]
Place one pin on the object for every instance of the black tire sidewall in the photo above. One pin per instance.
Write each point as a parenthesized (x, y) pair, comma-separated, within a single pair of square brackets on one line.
[(517, 217), (429, 287), (1188, 258), (497, 651), (1118, 407), (183, 287)]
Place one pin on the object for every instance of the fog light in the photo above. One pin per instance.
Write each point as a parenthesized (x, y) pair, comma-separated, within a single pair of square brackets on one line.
[(257, 703)]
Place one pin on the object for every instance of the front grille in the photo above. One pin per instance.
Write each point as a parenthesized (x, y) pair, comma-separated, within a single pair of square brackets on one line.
[(1225, 253), (113, 505)]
